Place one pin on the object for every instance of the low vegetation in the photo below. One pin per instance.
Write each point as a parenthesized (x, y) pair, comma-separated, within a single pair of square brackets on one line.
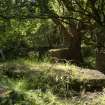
[(26, 82)]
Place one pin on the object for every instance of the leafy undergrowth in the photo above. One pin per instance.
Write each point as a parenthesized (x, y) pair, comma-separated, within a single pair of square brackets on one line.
[(26, 82)]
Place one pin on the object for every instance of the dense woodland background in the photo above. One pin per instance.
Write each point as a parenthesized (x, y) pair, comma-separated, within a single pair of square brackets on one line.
[(65, 31)]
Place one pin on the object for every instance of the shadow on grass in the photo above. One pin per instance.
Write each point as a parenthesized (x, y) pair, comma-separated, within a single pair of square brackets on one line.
[(58, 81)]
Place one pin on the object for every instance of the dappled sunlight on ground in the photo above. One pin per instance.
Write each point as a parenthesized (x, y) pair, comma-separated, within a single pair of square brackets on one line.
[(50, 84)]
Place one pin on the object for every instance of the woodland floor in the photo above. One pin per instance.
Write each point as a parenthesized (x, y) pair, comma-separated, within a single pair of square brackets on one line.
[(26, 82)]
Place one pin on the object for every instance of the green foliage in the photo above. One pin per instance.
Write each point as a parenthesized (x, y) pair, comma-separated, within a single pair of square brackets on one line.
[(22, 37), (21, 33), (27, 29), (39, 87)]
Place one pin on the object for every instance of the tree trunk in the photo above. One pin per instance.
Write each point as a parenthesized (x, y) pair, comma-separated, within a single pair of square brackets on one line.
[(2, 54), (75, 50), (75, 45), (100, 54), (72, 40)]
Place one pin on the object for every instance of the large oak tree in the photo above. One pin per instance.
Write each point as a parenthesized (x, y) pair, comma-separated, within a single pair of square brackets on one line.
[(77, 15)]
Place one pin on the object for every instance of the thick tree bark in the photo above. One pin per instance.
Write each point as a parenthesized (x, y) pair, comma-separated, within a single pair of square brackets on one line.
[(75, 50), (72, 40), (100, 61), (75, 45), (2, 54), (100, 54)]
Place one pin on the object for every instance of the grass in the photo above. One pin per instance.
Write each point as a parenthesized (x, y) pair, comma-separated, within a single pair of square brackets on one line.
[(28, 82)]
